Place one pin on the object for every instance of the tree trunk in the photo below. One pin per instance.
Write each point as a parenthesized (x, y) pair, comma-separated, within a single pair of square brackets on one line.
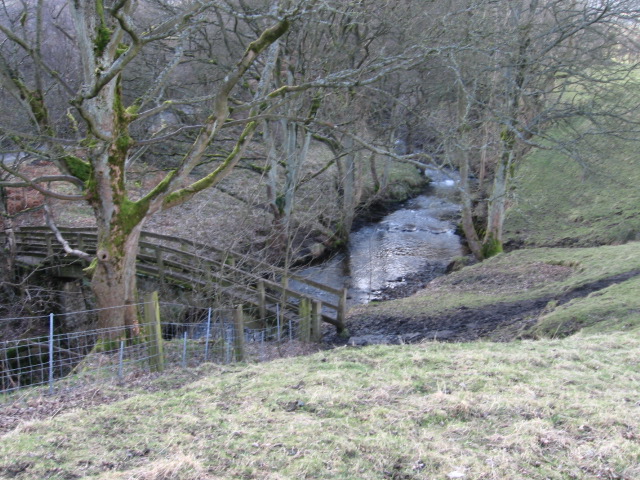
[(8, 250), (492, 242), (468, 227), (350, 191), (114, 282)]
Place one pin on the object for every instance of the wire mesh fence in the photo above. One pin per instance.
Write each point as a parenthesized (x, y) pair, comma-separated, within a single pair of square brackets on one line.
[(185, 336)]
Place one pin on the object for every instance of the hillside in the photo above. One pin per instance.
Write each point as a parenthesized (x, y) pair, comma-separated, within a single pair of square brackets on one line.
[(551, 409), (591, 199)]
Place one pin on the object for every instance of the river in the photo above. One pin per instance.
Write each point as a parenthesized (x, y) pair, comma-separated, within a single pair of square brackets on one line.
[(405, 249)]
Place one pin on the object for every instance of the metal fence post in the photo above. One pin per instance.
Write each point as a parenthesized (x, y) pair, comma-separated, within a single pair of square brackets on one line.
[(184, 351), (206, 340), (51, 353), (120, 359)]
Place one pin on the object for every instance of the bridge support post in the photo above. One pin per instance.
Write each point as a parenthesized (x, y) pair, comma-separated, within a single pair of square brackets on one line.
[(49, 246), (341, 314), (283, 297), (160, 264)]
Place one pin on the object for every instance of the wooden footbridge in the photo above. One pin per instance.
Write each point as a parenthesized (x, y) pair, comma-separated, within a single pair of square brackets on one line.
[(216, 272)]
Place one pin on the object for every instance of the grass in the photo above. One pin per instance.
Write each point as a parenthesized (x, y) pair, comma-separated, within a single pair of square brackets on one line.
[(559, 201), (612, 309), (554, 409)]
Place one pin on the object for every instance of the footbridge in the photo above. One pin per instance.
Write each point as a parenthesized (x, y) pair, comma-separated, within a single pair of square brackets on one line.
[(218, 273)]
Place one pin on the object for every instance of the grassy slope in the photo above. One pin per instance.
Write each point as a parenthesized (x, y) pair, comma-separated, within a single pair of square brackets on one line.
[(559, 201), (551, 409)]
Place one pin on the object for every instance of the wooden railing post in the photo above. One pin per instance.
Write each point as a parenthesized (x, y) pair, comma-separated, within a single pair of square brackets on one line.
[(341, 314), (304, 326), (316, 321), (238, 322), (262, 300), (154, 332), (160, 264)]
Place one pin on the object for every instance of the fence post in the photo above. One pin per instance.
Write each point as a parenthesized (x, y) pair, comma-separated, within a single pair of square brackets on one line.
[(278, 323), (121, 360), (304, 311), (262, 300), (206, 341), (283, 297), (341, 314), (316, 321), (51, 353), (238, 321), (154, 332), (184, 351)]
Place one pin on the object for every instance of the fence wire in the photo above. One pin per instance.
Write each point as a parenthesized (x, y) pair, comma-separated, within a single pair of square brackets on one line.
[(194, 335)]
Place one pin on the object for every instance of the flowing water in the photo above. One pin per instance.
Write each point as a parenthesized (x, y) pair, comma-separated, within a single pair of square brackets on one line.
[(417, 241)]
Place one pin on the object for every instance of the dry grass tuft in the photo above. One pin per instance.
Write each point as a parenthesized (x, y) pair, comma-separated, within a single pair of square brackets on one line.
[(177, 466)]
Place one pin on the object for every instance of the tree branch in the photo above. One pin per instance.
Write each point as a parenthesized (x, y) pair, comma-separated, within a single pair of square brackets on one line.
[(65, 245)]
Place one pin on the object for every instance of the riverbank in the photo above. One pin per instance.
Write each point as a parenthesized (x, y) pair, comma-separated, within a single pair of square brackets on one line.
[(530, 293)]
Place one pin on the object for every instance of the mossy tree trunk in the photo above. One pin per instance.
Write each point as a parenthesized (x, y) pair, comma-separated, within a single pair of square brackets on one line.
[(119, 219), (466, 200), (497, 203)]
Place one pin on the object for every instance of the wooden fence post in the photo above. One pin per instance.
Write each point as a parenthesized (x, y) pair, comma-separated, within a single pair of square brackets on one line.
[(316, 321), (154, 332), (304, 327), (238, 321), (262, 300)]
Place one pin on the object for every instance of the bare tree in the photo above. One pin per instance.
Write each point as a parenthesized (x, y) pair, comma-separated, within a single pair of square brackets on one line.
[(90, 115), (519, 70)]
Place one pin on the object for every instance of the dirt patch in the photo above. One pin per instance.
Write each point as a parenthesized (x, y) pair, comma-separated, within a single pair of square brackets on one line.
[(495, 280), (501, 321)]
